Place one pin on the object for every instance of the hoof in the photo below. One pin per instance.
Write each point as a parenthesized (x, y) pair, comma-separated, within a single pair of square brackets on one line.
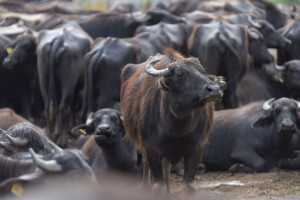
[(188, 190)]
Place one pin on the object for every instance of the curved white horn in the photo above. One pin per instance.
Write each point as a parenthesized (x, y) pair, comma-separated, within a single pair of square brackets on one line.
[(298, 103), (267, 105), (2, 131), (47, 166), (54, 146), (279, 68), (253, 34), (89, 119), (140, 16), (154, 72), (17, 141), (254, 23)]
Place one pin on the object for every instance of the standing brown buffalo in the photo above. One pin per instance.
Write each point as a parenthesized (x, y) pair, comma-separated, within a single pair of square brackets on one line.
[(168, 113)]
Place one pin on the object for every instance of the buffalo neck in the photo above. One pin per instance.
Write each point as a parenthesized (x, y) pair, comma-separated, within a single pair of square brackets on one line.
[(177, 121), (119, 156)]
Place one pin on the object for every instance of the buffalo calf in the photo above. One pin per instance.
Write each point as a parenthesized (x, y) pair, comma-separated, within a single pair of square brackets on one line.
[(106, 126)]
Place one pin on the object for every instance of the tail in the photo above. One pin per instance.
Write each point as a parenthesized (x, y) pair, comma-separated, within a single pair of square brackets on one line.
[(90, 80), (222, 37), (52, 87)]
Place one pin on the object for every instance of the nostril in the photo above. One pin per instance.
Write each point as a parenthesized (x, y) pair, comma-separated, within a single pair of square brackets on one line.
[(287, 125), (104, 127), (209, 89)]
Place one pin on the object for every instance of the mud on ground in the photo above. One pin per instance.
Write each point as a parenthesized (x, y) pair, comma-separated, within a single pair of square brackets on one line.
[(274, 185)]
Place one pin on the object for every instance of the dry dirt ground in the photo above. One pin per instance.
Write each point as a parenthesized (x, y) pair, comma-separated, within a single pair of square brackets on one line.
[(274, 185)]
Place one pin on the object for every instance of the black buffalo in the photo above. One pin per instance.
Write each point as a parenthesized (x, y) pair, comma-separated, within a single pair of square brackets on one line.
[(257, 136), (290, 31), (124, 25), (20, 72), (223, 49), (23, 135), (106, 128), (276, 17), (60, 54), (267, 81), (272, 37), (104, 67), (168, 113), (66, 164), (176, 34)]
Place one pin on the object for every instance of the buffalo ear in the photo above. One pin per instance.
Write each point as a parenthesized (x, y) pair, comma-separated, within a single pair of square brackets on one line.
[(163, 84), (263, 121), (80, 130), (121, 125), (220, 80)]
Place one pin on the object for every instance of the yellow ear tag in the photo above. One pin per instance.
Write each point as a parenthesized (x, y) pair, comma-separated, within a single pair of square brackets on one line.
[(17, 189), (280, 79), (83, 131), (9, 50)]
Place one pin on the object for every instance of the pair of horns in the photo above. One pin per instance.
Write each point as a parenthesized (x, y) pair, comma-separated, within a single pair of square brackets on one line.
[(268, 104), (154, 72)]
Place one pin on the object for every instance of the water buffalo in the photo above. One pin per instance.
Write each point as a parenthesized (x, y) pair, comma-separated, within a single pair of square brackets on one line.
[(66, 164), (176, 34), (168, 113), (106, 126), (267, 81), (257, 135), (20, 70), (122, 25), (290, 31), (23, 136), (60, 54), (272, 37), (104, 68), (227, 44)]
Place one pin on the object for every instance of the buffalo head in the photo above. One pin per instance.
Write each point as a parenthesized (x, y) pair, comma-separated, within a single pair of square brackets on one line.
[(273, 38), (67, 161), (24, 135), (184, 81), (21, 52), (258, 48), (283, 113), (106, 125)]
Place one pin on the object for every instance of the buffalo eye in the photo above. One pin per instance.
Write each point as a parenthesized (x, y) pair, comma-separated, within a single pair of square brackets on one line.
[(114, 119), (179, 74), (294, 110), (277, 110)]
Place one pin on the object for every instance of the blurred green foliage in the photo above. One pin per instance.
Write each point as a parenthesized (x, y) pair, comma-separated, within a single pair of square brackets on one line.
[(286, 1)]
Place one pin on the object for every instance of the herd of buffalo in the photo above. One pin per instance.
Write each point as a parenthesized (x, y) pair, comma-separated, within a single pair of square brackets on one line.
[(147, 92)]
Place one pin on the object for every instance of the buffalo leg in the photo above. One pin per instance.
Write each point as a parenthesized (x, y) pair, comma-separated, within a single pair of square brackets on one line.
[(251, 159), (190, 165), (155, 165), (166, 165), (146, 173), (290, 163)]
